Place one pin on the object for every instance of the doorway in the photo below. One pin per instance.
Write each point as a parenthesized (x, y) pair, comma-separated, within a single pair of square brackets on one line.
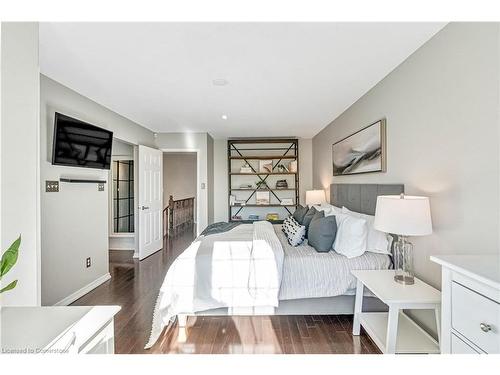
[(180, 181), (122, 190)]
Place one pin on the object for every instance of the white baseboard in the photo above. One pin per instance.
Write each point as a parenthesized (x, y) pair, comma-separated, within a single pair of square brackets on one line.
[(81, 292), (122, 248)]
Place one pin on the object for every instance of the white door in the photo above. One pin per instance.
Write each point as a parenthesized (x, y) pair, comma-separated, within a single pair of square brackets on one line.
[(150, 201)]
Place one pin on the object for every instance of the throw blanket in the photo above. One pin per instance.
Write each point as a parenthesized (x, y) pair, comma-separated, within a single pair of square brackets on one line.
[(219, 227), (238, 268)]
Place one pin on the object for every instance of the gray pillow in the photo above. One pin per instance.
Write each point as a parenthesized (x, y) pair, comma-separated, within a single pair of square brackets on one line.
[(322, 232), (299, 213), (308, 217)]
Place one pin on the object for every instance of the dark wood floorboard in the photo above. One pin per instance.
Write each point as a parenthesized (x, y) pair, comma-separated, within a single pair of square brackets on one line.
[(134, 286)]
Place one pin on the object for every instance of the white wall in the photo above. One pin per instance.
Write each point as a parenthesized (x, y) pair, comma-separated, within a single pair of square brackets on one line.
[(192, 142), (305, 168), (179, 175), (210, 180), (221, 183), (442, 114), (220, 180), (19, 134), (75, 220)]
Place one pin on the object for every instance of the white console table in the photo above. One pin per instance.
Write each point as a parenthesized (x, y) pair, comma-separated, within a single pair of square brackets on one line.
[(57, 329)]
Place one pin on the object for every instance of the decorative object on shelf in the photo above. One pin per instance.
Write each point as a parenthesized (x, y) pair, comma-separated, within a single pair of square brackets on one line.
[(262, 197), (236, 218), (265, 166), (232, 200), (282, 168), (261, 184), (281, 184), (239, 203), (272, 216), (361, 152), (246, 186), (253, 217), (405, 216), (287, 201), (293, 166), (246, 168), (315, 197)]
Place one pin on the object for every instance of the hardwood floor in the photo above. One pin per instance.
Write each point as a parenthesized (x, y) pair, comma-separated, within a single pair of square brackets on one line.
[(134, 286)]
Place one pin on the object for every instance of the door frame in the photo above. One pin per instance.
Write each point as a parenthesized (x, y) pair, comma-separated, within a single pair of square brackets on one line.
[(111, 232), (198, 188)]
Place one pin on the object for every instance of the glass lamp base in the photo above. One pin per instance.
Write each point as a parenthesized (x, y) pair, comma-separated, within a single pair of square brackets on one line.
[(405, 280)]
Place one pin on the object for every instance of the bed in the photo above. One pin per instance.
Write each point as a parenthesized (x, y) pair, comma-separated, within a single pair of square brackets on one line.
[(252, 270)]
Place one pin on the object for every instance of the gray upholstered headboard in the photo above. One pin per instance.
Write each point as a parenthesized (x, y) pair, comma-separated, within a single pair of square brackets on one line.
[(361, 197)]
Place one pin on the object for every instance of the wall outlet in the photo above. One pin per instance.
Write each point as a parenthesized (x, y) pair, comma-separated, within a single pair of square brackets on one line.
[(88, 262), (100, 186)]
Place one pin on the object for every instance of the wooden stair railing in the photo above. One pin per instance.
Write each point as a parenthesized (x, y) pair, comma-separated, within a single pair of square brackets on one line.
[(177, 215)]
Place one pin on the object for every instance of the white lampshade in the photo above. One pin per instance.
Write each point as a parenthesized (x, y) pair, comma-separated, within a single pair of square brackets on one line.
[(315, 197), (403, 215)]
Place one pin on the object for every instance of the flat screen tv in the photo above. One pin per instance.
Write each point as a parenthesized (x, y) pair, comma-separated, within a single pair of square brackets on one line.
[(78, 144)]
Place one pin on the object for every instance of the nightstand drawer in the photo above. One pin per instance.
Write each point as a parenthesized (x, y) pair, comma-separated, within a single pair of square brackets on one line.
[(476, 317)]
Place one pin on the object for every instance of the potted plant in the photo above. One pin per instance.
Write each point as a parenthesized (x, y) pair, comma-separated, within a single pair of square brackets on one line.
[(8, 260)]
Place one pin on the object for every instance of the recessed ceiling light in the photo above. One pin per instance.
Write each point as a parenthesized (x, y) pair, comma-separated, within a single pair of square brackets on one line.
[(220, 82), (224, 117)]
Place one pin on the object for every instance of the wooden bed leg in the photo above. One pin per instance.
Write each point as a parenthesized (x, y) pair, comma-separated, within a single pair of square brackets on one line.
[(182, 321)]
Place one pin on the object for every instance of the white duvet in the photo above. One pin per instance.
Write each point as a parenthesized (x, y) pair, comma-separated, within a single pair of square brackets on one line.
[(236, 269)]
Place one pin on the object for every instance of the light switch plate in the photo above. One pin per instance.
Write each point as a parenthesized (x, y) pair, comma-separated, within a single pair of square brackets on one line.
[(51, 186), (100, 186)]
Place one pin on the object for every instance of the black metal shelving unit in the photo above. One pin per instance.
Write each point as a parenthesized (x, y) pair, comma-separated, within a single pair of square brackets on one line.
[(278, 150)]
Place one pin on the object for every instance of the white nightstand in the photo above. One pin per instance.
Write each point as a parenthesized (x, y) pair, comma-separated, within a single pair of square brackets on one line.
[(396, 332)]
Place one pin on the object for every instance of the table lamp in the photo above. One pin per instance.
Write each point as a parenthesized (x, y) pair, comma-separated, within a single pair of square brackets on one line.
[(315, 197), (404, 216)]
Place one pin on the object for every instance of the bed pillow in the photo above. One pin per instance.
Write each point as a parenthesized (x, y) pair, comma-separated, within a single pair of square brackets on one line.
[(308, 217), (296, 233), (330, 209), (377, 241), (299, 213), (322, 232), (288, 223), (352, 234)]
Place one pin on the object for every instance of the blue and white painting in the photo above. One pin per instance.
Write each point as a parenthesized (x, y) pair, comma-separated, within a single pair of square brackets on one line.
[(361, 152)]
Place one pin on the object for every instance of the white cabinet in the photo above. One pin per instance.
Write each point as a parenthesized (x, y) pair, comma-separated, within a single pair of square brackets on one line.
[(58, 329), (470, 303)]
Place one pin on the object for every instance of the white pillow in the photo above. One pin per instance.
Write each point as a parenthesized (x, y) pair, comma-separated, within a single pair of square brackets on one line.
[(377, 241), (352, 234), (329, 209)]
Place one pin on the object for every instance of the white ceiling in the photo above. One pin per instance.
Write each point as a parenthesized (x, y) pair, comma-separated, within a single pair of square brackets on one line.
[(285, 79)]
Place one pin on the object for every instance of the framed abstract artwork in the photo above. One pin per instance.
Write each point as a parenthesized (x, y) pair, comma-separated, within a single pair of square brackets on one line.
[(361, 152)]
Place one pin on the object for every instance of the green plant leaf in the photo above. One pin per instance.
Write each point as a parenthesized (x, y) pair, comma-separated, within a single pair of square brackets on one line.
[(12, 285), (9, 258)]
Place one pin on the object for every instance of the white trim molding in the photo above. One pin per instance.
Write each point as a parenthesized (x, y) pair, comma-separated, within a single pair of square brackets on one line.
[(81, 292)]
